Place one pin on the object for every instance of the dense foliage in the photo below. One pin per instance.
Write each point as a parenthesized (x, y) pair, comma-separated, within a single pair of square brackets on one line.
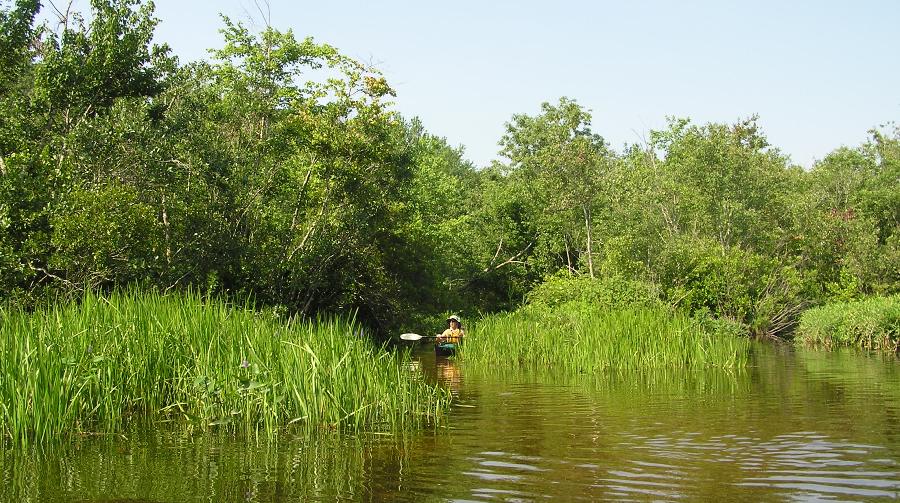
[(278, 170)]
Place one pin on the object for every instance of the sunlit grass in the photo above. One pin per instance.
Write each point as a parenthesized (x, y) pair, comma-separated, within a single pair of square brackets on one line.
[(583, 339), (108, 363), (868, 324)]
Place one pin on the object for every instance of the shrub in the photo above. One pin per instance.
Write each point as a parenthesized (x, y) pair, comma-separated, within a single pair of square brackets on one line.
[(760, 292), (607, 293)]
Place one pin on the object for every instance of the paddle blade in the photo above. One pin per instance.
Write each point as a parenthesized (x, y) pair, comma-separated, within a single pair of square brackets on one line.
[(410, 337)]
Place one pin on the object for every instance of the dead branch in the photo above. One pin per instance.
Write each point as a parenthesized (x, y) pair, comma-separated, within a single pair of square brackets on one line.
[(496, 254), (48, 274), (510, 260)]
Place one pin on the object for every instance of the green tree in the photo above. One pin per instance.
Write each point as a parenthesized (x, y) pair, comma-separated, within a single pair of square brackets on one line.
[(707, 212), (850, 219), (564, 162), (17, 33), (58, 84), (724, 182)]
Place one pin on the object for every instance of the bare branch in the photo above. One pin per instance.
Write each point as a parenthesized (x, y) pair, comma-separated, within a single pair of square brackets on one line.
[(173, 285), (497, 253), (302, 192), (63, 17), (510, 260), (267, 15), (48, 274), (312, 228)]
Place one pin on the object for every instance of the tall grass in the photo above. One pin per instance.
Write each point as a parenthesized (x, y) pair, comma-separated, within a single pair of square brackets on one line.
[(108, 363), (868, 324), (584, 339)]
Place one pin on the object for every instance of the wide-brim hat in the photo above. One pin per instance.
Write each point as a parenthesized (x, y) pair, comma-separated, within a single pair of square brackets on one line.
[(454, 317)]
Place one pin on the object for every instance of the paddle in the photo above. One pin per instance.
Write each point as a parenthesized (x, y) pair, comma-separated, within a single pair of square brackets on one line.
[(415, 337)]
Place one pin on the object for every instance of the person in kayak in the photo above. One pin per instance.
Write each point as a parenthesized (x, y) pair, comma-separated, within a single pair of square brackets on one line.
[(454, 333)]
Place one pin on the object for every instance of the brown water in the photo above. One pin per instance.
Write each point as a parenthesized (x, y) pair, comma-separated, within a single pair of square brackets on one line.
[(796, 426)]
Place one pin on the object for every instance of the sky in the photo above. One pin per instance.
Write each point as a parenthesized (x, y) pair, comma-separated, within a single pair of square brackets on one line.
[(817, 73)]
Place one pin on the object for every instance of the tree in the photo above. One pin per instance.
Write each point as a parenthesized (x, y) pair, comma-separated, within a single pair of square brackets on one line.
[(58, 85), (564, 162), (850, 219), (724, 182), (17, 33)]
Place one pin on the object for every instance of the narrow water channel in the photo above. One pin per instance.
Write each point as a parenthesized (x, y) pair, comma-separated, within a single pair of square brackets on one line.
[(796, 426)]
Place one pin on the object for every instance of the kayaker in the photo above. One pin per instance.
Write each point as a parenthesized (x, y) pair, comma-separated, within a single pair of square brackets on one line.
[(454, 333)]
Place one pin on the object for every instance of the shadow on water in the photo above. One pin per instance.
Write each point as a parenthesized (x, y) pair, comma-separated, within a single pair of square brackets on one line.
[(794, 426)]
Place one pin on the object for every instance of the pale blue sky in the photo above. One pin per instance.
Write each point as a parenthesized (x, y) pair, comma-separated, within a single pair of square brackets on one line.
[(818, 73)]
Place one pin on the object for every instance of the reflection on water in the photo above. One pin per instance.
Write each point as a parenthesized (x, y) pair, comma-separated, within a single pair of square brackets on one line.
[(796, 426), (448, 373)]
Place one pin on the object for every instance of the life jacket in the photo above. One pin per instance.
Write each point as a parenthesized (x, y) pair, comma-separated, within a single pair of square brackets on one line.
[(454, 336)]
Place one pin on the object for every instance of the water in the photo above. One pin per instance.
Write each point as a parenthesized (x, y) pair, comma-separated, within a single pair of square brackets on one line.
[(796, 426)]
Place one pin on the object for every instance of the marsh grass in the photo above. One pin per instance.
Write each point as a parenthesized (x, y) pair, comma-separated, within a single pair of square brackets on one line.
[(580, 338), (872, 324), (108, 363)]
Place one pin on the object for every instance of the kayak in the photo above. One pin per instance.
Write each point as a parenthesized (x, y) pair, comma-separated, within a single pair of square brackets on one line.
[(445, 349)]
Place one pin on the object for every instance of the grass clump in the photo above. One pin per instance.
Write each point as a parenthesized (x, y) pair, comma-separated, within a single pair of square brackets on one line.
[(872, 324), (584, 338), (107, 363)]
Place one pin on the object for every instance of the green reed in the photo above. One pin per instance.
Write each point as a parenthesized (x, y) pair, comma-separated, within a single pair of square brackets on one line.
[(583, 339), (109, 363), (872, 324)]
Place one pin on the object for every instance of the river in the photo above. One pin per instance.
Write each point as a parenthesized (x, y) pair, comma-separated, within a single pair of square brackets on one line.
[(796, 425)]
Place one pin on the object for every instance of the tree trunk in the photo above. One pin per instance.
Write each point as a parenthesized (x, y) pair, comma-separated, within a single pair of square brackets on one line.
[(586, 208), (165, 219)]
